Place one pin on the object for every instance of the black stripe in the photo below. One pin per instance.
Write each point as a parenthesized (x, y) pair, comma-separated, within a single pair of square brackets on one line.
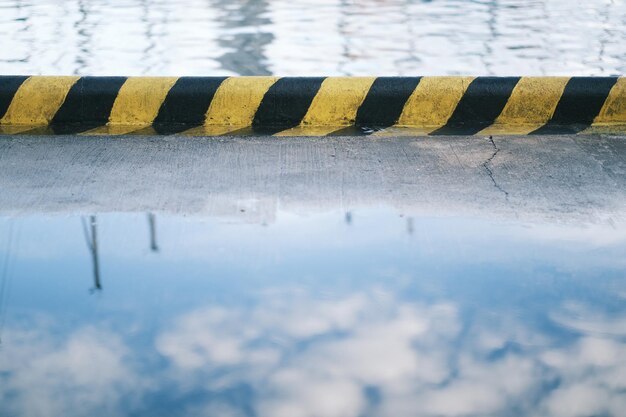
[(385, 101), (480, 106), (87, 105), (580, 103), (186, 104), (285, 104), (8, 87)]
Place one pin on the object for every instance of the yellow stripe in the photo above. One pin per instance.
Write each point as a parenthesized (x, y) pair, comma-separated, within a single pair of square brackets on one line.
[(211, 130), (14, 129), (400, 131), (614, 109), (237, 100), (112, 130), (37, 100), (137, 104), (310, 130), (612, 116), (335, 105), (337, 101), (508, 130), (609, 129), (531, 105), (433, 101), (139, 100)]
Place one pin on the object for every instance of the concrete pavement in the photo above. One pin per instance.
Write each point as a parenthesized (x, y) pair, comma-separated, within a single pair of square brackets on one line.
[(551, 178)]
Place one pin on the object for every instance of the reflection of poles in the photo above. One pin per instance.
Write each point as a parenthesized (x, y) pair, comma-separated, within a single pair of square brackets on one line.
[(91, 237), (6, 274), (152, 224), (409, 225)]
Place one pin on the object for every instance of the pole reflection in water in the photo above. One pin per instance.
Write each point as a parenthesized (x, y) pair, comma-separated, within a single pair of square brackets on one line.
[(152, 226), (6, 271), (90, 229), (304, 317)]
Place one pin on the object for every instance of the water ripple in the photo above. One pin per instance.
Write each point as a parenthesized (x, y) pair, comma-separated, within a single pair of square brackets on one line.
[(312, 37)]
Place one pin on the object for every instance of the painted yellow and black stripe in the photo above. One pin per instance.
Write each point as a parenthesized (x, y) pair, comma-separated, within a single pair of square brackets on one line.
[(314, 106)]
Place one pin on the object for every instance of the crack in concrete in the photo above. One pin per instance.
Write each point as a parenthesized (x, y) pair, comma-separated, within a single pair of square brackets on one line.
[(490, 172)]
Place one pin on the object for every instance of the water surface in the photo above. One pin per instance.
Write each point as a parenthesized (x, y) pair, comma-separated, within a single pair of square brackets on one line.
[(369, 312), (313, 37)]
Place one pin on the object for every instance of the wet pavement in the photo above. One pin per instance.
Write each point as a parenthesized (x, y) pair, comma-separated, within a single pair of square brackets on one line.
[(447, 276), (546, 177)]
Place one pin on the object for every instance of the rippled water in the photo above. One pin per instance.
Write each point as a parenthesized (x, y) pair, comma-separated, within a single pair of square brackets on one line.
[(313, 37), (337, 314)]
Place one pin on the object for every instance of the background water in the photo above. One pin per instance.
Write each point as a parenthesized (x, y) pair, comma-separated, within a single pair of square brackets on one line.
[(369, 312), (313, 37)]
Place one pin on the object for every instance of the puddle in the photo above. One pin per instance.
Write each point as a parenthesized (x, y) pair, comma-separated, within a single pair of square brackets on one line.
[(369, 312)]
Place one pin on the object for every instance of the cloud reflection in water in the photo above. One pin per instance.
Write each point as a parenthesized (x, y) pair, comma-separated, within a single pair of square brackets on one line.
[(287, 348)]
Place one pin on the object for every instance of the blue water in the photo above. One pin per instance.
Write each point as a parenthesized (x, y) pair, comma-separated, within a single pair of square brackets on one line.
[(365, 313)]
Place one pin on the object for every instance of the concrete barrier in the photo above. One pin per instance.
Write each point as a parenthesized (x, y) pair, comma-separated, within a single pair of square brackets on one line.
[(315, 106)]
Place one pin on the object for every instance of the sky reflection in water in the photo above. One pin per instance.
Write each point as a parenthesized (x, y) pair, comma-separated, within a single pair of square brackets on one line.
[(368, 313)]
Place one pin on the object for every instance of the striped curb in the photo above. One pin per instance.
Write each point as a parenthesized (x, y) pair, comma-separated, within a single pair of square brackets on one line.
[(316, 106)]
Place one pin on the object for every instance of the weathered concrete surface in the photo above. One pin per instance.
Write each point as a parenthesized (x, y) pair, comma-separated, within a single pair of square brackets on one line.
[(555, 178)]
